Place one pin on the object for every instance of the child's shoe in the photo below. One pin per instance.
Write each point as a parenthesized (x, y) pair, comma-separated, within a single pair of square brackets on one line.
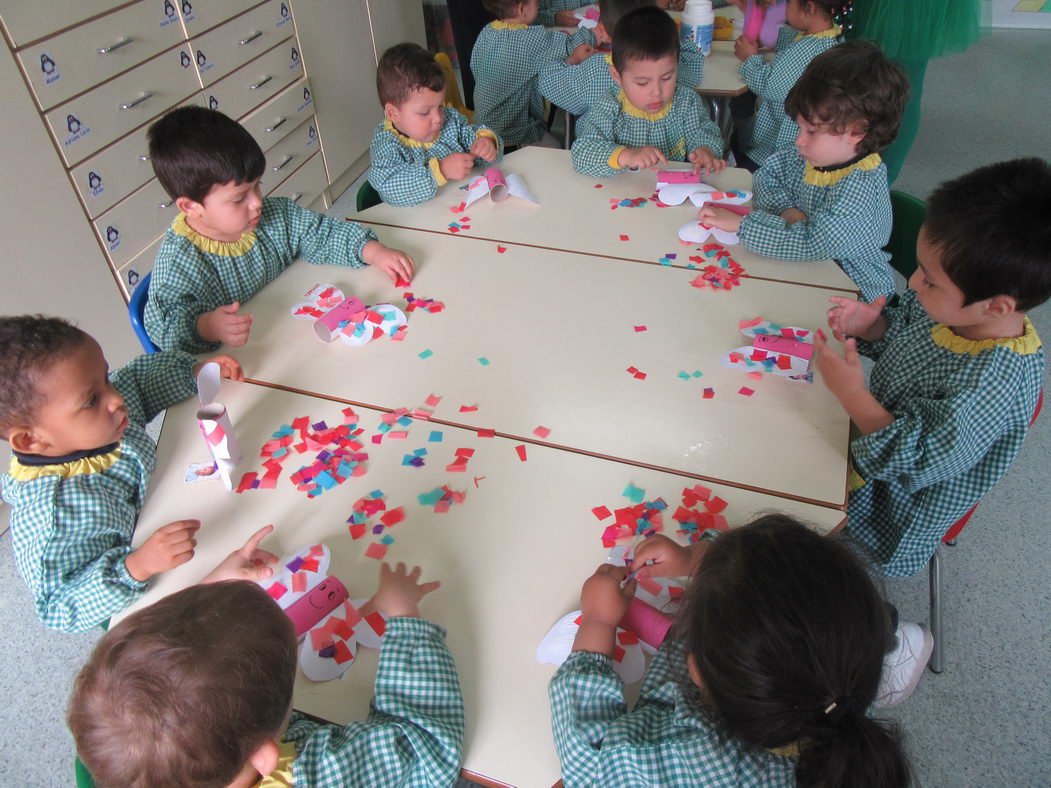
[(903, 666)]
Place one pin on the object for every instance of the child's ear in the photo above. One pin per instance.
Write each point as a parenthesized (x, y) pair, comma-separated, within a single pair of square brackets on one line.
[(616, 75), (695, 673), (1002, 306), (391, 111), (188, 206), (25, 441), (264, 759)]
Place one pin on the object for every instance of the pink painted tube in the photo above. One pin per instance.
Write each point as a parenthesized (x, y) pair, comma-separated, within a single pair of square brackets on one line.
[(678, 176), (327, 326), (647, 622), (791, 347), (317, 603), (497, 184), (214, 422), (753, 20)]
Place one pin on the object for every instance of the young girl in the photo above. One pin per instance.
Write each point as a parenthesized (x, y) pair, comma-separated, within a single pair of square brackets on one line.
[(810, 31), (764, 680)]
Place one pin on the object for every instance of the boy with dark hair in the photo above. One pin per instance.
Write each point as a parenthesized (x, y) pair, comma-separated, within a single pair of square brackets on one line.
[(652, 120), (578, 88), (959, 367), (829, 197), (81, 467), (228, 242), (506, 61), (421, 144), (196, 690)]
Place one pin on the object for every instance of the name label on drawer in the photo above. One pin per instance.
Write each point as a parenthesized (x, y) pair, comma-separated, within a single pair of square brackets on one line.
[(294, 61), (307, 100), (95, 185), (286, 17), (77, 130), (112, 238), (170, 16), (49, 72)]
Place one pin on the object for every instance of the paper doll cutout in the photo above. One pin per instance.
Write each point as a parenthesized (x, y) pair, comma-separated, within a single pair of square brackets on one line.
[(214, 423), (781, 350), (697, 233), (498, 186), (588, 16), (350, 320)]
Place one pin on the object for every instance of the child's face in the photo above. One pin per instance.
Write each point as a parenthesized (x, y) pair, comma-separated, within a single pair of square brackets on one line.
[(936, 292), (83, 410), (228, 211), (420, 116), (648, 84), (822, 147), (798, 13)]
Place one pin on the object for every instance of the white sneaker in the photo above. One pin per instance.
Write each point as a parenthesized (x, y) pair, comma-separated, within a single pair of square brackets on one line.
[(904, 666)]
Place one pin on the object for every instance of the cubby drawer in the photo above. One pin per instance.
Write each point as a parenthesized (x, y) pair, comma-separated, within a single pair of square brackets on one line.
[(132, 273), (27, 21), (305, 184), (260, 80), (89, 123), (65, 65), (134, 223), (200, 16), (285, 111), (112, 174), (234, 43), (290, 153)]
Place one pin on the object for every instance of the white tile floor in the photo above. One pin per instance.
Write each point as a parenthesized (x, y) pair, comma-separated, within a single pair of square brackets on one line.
[(985, 720)]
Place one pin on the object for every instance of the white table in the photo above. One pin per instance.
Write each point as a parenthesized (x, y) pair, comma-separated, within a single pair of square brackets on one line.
[(559, 333), (574, 215), (511, 558)]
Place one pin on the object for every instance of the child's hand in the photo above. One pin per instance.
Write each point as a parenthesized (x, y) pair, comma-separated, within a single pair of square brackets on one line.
[(744, 48), (565, 19), (842, 374), (715, 216), (670, 559), (229, 367), (854, 318), (704, 159), (393, 262), (793, 215), (225, 325), (455, 166), (579, 54), (399, 593), (602, 600), (641, 158), (484, 148), (248, 562), (166, 548)]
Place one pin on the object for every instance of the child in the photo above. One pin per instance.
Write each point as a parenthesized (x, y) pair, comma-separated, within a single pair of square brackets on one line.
[(830, 199), (421, 145), (196, 690), (652, 120), (765, 678), (81, 467), (506, 62), (809, 32), (959, 367), (228, 241), (577, 88)]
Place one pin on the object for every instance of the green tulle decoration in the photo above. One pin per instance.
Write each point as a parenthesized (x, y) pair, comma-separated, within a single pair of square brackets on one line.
[(919, 29)]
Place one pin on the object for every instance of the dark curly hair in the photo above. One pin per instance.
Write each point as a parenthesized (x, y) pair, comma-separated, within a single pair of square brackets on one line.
[(404, 68)]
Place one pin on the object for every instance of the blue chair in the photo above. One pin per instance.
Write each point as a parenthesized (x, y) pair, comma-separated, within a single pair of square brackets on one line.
[(136, 308)]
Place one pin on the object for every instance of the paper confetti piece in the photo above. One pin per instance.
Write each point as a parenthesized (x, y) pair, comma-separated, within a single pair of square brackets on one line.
[(709, 393), (633, 493), (343, 652), (755, 375), (601, 512), (521, 449), (376, 550), (639, 328), (541, 432), (749, 323), (624, 238), (426, 353), (486, 433), (299, 582), (477, 479), (501, 249), (468, 408), (746, 391), (435, 436), (598, 185), (483, 361), (277, 590)]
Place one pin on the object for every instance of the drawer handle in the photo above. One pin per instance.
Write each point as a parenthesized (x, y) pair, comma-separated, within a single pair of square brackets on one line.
[(250, 38), (139, 100), (276, 126), (144, 157), (112, 47), (297, 196), (284, 161), (258, 85), (168, 204)]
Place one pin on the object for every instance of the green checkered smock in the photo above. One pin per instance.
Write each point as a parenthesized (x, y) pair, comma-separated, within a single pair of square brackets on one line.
[(194, 274), (406, 172), (577, 88), (614, 124), (961, 410), (414, 732), (72, 521), (770, 129), (668, 739), (506, 64), (849, 217)]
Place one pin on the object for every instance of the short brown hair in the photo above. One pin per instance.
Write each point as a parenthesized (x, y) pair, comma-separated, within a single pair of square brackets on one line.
[(501, 9), (852, 86), (405, 68), (611, 11), (191, 685)]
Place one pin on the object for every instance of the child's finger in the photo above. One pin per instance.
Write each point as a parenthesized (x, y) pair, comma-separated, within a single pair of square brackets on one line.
[(850, 351), (252, 545), (426, 588)]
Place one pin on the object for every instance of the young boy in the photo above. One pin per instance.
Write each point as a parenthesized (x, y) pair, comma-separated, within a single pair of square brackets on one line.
[(421, 145), (577, 88), (81, 467), (652, 120), (228, 241), (959, 367), (506, 61), (197, 690), (830, 197)]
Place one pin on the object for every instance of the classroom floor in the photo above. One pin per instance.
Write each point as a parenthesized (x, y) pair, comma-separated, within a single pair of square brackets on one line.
[(985, 720)]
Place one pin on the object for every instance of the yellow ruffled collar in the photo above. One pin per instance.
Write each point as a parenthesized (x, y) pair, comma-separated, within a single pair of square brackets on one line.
[(833, 32), (816, 177), (79, 467), (635, 112), (1024, 345), (406, 141), (280, 777), (788, 751), (211, 246), (501, 25)]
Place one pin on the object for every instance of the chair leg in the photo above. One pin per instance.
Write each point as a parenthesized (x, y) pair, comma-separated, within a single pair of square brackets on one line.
[(934, 568), (567, 142), (951, 543)]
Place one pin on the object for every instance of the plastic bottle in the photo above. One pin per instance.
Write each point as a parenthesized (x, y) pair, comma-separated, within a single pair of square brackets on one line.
[(698, 24)]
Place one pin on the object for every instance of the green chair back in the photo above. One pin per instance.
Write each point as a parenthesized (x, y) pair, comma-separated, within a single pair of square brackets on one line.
[(367, 197), (909, 214), (83, 778)]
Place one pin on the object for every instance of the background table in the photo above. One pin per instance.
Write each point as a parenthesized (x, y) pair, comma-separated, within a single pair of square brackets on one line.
[(511, 557), (575, 216)]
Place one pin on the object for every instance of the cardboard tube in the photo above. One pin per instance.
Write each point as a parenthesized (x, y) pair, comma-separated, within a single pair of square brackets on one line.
[(327, 326), (497, 184), (317, 603), (218, 432), (646, 621)]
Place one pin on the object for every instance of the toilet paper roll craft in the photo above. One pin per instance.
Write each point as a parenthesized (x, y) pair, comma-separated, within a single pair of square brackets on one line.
[(498, 186), (588, 16), (348, 319), (696, 232), (215, 425), (674, 187), (629, 662), (762, 23), (777, 349)]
